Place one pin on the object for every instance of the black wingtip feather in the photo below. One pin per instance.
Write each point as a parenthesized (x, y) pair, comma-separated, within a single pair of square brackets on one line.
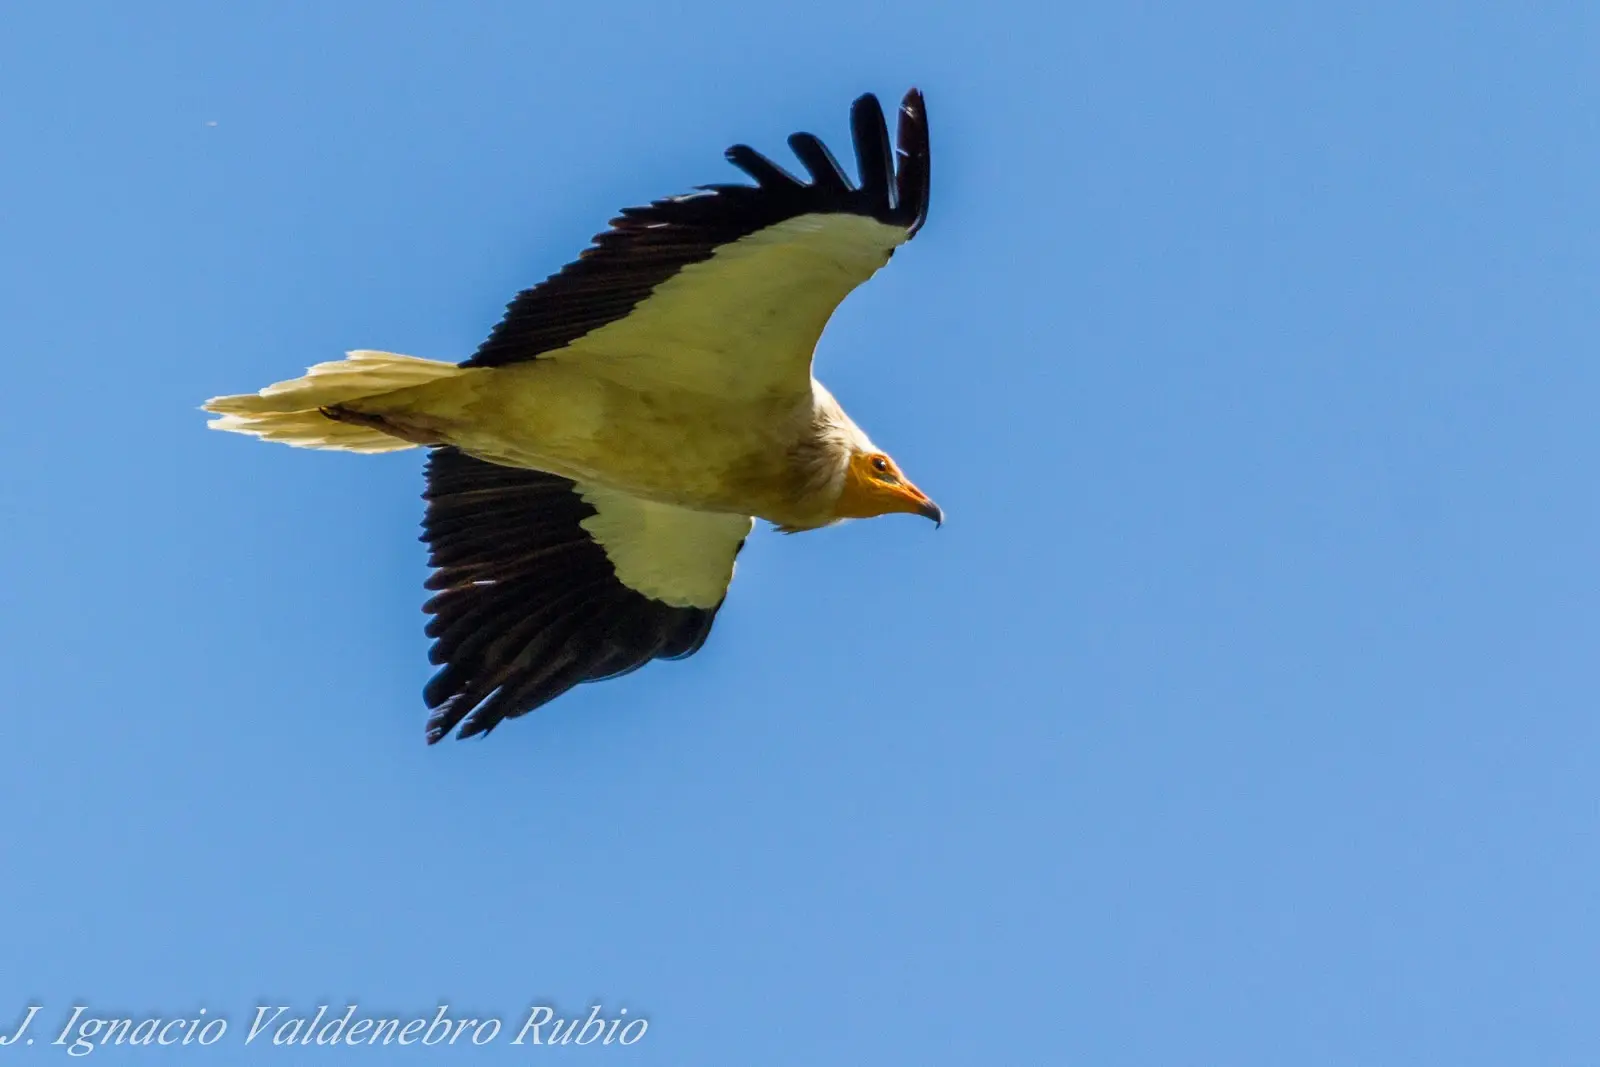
[(874, 154), (767, 174), (912, 175), (826, 174)]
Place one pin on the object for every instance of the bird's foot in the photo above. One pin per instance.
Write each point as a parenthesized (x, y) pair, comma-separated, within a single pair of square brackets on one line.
[(390, 425)]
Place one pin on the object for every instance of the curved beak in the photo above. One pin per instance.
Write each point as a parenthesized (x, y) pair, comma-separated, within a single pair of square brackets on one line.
[(918, 504)]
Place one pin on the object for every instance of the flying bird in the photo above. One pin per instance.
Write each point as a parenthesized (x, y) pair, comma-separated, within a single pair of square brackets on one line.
[(596, 466)]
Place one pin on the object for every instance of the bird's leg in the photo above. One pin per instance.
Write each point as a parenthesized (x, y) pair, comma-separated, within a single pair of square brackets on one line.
[(383, 424)]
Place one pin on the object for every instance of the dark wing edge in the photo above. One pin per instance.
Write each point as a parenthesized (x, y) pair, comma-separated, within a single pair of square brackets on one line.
[(647, 245), (527, 604)]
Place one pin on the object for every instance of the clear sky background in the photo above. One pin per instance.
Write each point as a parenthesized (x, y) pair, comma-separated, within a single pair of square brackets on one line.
[(1243, 712)]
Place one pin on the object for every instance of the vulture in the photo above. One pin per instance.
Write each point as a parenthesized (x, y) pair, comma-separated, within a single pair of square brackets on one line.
[(595, 467)]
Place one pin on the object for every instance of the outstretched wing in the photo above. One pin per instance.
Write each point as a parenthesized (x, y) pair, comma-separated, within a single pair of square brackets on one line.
[(543, 584), (727, 290)]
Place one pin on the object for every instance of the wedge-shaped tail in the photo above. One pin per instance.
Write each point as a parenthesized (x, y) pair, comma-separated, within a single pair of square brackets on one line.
[(292, 412)]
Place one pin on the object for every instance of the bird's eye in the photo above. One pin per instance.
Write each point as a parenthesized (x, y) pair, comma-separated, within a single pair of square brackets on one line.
[(880, 464)]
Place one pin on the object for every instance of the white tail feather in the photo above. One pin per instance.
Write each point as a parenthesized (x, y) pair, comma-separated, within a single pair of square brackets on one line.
[(288, 412)]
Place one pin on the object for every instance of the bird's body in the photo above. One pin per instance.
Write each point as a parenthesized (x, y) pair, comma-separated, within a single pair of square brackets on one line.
[(767, 457), (598, 464)]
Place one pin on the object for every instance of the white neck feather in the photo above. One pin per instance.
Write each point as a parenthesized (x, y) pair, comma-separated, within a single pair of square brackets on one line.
[(825, 454)]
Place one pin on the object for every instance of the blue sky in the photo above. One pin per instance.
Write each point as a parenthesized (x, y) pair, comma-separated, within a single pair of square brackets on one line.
[(1243, 712)]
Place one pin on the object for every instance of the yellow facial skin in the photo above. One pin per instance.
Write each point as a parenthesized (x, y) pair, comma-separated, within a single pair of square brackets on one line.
[(873, 486)]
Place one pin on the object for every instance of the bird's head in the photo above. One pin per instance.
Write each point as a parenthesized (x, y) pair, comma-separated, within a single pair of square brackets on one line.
[(873, 486)]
